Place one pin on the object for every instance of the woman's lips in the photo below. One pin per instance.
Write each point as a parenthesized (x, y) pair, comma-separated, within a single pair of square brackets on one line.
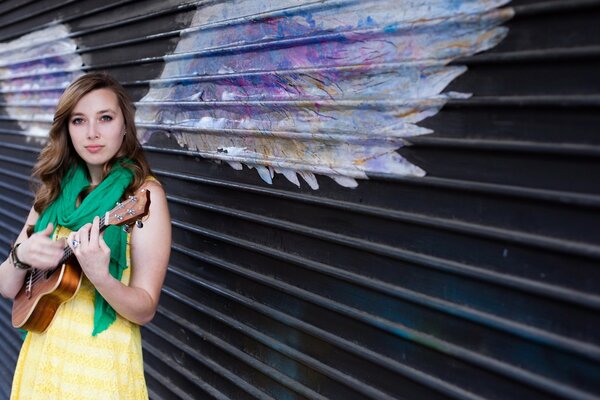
[(93, 149)]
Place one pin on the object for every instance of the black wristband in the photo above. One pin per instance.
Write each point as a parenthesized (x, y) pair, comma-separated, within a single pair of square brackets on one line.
[(15, 260)]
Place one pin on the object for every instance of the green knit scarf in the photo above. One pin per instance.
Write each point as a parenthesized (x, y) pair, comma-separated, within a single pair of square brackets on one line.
[(64, 212)]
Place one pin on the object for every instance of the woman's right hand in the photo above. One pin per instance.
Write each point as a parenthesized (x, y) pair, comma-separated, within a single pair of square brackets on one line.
[(40, 251)]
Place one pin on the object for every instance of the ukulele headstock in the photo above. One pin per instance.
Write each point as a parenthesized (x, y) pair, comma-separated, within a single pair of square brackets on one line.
[(129, 211)]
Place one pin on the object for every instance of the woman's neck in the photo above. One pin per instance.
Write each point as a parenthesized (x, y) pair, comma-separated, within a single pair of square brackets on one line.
[(95, 172)]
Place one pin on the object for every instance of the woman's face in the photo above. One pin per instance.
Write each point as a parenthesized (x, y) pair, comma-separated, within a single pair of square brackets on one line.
[(96, 127)]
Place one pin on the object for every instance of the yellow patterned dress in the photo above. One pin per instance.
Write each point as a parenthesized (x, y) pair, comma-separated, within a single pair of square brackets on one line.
[(67, 362)]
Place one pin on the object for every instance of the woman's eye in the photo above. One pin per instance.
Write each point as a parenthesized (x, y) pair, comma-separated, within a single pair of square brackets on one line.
[(106, 118), (76, 121)]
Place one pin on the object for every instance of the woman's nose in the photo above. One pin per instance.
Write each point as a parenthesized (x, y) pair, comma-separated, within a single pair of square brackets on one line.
[(93, 132)]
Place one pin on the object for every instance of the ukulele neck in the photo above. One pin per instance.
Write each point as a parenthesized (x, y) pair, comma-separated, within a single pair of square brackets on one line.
[(68, 252)]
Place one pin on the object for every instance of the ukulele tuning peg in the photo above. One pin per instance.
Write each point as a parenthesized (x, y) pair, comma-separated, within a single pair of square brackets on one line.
[(126, 228), (139, 224)]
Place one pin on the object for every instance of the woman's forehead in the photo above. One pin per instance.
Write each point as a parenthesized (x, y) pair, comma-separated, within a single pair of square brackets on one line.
[(97, 101)]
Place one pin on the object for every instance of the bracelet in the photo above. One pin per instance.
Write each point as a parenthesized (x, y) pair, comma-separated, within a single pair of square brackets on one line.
[(18, 264)]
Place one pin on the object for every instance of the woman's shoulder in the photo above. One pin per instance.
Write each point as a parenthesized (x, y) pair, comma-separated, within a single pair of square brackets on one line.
[(158, 210), (157, 193), (151, 183), (151, 178)]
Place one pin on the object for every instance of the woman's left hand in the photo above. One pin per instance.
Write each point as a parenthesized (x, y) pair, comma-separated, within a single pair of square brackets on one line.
[(91, 251)]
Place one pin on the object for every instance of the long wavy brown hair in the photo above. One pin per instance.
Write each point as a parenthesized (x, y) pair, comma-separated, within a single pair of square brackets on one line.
[(59, 154)]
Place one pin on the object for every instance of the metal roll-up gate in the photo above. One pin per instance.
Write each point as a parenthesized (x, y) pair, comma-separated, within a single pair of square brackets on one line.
[(392, 199)]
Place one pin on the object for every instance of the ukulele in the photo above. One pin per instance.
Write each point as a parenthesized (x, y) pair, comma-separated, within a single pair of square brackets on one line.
[(44, 291)]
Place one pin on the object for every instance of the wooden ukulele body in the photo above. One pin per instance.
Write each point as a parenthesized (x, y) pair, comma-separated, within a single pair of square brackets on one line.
[(35, 310)]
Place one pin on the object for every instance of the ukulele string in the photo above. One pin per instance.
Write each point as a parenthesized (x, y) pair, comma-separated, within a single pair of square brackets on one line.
[(38, 274)]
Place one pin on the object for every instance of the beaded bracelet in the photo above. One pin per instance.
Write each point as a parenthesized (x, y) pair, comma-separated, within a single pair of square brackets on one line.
[(18, 264)]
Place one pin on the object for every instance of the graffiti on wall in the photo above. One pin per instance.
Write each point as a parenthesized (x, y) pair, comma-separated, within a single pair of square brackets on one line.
[(34, 71), (292, 87), (329, 87)]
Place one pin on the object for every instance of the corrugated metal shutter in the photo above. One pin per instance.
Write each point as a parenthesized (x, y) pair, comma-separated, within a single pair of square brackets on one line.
[(479, 280)]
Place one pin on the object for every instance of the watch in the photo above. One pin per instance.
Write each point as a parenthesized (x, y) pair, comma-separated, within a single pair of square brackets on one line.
[(18, 264)]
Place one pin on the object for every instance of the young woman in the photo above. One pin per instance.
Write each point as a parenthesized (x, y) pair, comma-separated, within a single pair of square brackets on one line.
[(92, 347)]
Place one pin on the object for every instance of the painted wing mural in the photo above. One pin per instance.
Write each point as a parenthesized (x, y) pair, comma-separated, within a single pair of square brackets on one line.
[(291, 87), (306, 87), (34, 71)]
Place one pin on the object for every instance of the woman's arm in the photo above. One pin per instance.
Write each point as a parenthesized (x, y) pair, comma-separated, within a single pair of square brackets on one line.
[(150, 250), (38, 251)]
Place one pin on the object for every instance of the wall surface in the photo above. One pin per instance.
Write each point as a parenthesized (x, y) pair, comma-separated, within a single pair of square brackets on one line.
[(375, 199)]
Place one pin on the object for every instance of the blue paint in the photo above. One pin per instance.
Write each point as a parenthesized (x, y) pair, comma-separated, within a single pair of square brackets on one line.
[(354, 70)]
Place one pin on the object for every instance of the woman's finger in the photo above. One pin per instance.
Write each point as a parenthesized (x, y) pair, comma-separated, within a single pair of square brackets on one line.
[(103, 246), (84, 236), (95, 231), (48, 230), (58, 251)]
